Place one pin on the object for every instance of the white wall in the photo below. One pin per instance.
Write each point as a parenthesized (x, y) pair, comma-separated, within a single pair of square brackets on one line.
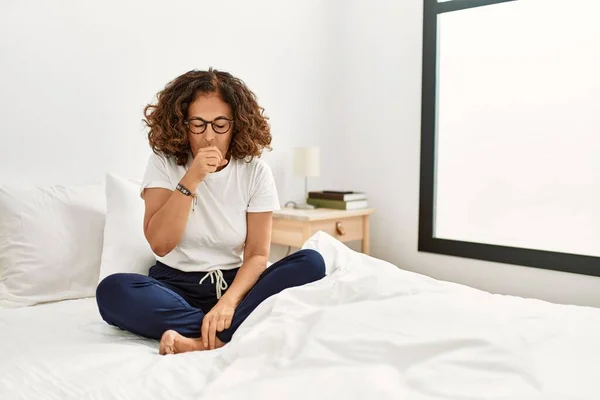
[(76, 75), (378, 59)]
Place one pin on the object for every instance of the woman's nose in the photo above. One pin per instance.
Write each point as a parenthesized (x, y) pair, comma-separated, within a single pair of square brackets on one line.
[(209, 134)]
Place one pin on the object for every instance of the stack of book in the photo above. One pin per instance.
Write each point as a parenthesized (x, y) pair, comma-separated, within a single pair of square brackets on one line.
[(338, 200)]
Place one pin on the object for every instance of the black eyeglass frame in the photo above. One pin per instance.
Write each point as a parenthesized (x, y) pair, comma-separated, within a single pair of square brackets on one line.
[(206, 123)]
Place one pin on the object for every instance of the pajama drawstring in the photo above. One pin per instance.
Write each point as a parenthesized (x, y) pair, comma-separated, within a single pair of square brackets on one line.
[(220, 285)]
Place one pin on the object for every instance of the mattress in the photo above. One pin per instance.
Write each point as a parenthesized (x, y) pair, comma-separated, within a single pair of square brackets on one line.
[(369, 330)]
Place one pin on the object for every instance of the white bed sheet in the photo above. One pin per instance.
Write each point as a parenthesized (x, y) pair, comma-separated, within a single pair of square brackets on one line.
[(367, 331)]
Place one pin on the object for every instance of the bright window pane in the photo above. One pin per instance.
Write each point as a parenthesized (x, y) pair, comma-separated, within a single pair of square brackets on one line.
[(518, 156)]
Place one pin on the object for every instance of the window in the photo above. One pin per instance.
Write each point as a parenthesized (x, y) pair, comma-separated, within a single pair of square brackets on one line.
[(510, 140)]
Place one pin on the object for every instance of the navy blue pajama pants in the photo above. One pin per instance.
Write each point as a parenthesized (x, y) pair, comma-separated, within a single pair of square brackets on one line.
[(171, 299)]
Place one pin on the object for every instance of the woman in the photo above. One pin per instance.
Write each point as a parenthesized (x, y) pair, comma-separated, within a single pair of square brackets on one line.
[(209, 200)]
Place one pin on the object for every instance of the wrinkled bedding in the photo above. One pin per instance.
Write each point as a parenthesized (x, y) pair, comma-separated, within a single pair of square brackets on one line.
[(369, 330)]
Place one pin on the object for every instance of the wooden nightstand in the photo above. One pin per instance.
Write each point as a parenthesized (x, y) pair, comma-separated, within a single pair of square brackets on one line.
[(292, 227)]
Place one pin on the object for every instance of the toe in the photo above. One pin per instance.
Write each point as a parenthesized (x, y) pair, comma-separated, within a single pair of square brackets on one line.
[(161, 347), (167, 342)]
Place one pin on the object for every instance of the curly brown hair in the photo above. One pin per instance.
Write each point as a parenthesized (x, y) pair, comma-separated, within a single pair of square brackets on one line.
[(168, 133)]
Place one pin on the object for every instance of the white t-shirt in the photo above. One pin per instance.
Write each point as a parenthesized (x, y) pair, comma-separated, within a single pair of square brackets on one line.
[(215, 233)]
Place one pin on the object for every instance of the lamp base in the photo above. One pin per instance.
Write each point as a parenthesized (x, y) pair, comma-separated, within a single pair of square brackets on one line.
[(305, 206)]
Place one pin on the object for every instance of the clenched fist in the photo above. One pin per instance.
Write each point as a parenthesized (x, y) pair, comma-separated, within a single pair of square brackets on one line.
[(206, 161)]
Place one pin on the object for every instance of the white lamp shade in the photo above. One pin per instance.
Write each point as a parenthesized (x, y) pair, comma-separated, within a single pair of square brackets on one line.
[(307, 161)]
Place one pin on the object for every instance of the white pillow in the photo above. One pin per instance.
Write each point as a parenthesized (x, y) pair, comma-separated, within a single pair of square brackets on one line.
[(125, 247), (50, 242)]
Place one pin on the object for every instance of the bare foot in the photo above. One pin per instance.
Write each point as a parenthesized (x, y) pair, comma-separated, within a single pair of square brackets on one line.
[(174, 343)]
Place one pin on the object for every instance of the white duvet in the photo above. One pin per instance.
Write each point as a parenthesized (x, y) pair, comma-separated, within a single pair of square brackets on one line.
[(367, 331)]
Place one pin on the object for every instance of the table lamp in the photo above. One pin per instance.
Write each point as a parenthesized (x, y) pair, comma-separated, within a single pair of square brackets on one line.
[(306, 164)]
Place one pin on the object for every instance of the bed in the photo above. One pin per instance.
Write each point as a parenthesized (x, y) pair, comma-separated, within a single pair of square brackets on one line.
[(369, 330)]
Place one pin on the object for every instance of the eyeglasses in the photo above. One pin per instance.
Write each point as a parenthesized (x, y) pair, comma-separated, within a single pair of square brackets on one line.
[(220, 125)]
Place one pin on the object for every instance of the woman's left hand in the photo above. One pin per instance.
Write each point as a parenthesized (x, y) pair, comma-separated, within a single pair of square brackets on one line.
[(217, 320)]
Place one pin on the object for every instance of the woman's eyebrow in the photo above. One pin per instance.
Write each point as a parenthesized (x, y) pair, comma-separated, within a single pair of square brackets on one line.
[(204, 119)]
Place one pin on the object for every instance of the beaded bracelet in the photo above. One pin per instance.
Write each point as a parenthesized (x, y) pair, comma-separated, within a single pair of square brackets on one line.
[(185, 191)]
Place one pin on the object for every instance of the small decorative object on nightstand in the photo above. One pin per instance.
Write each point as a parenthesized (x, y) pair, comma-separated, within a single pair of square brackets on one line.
[(293, 227)]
